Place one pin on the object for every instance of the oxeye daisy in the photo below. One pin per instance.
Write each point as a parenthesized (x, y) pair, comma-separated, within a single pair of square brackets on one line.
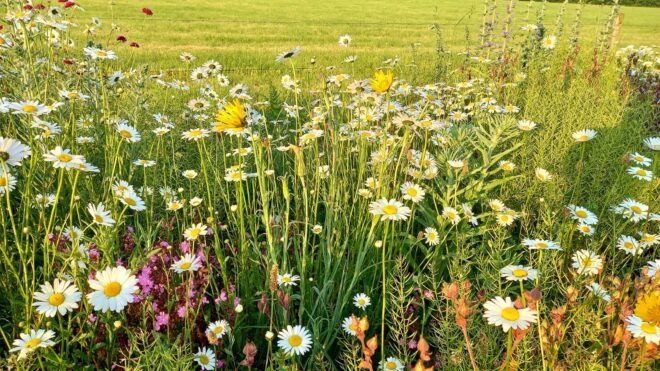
[(361, 301), (113, 289), (295, 340), (598, 291), (506, 218), (518, 273), (648, 239), (502, 312), (60, 297), (412, 191), (391, 363), (542, 175), (128, 133), (549, 42), (640, 173), (174, 205), (188, 263), (189, 174), (640, 159), (497, 205), (288, 54), (633, 210), (452, 215), (132, 200), (29, 342), (32, 108), (205, 358), (653, 143), (349, 327), (372, 183), (218, 329), (507, 166), (586, 229), (62, 158), (584, 135), (317, 229), (526, 125), (194, 232), (13, 152), (534, 244), (629, 244), (345, 40), (582, 215), (100, 215), (639, 328), (7, 182), (144, 163), (587, 262), (432, 237), (96, 53), (287, 279), (389, 210), (195, 134), (456, 164)]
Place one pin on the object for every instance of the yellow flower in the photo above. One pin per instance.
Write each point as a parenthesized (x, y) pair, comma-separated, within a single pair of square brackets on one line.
[(231, 117), (382, 81), (648, 308)]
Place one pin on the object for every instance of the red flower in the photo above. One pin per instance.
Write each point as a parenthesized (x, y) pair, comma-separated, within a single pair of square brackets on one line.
[(61, 1), (147, 11), (121, 38), (27, 7), (40, 6), (67, 61), (135, 45), (69, 4)]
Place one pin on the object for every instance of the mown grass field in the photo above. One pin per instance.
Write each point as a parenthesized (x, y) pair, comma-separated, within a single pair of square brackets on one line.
[(249, 35)]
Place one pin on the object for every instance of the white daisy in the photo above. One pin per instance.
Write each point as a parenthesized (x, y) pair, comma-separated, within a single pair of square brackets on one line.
[(345, 40), (100, 215), (629, 244), (587, 262), (653, 143), (287, 279), (652, 268), (598, 291), (29, 342), (640, 173), (645, 330), (288, 54), (432, 237), (451, 214), (195, 231), (412, 191), (518, 273), (349, 327), (584, 135), (501, 312), (218, 329), (295, 340), (113, 289), (391, 363), (205, 358), (542, 175), (128, 133), (534, 244), (62, 296), (12, 151), (389, 210), (188, 263), (361, 300), (582, 215)]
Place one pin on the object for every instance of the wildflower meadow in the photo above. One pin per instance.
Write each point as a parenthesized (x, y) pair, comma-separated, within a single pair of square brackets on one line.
[(478, 194)]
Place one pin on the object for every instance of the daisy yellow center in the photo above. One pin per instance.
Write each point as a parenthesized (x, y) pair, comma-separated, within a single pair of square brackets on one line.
[(451, 215), (542, 245), (504, 218), (389, 209), (431, 236), (586, 228), (628, 245), (112, 289), (362, 301), (186, 265), (586, 261), (101, 53), (204, 359), (98, 218), (506, 167), (73, 95), (3, 182), (581, 214), (286, 279), (636, 209), (583, 137), (195, 133), (520, 273), (130, 201), (125, 134), (218, 329), (56, 299), (195, 232), (33, 343), (649, 328), (391, 365), (510, 314), (28, 108), (295, 340), (353, 327), (64, 157), (641, 172), (412, 192)]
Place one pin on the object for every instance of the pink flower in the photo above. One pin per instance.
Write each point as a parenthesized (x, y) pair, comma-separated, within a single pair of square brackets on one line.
[(147, 11)]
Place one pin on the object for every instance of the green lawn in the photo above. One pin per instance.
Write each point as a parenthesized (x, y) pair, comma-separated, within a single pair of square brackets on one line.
[(247, 35)]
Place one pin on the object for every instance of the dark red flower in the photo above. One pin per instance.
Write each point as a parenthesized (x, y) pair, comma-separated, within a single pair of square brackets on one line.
[(147, 11), (121, 38), (27, 7), (40, 6), (61, 1), (67, 61), (135, 45), (69, 4)]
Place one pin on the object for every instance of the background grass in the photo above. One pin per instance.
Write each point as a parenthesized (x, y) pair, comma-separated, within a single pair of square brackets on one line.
[(248, 36)]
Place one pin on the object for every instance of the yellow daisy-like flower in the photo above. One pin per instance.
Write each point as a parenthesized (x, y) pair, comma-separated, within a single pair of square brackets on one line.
[(231, 118), (648, 308), (382, 81)]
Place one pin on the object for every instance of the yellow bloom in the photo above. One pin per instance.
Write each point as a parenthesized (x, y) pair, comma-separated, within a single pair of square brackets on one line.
[(231, 117), (648, 308), (382, 81)]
